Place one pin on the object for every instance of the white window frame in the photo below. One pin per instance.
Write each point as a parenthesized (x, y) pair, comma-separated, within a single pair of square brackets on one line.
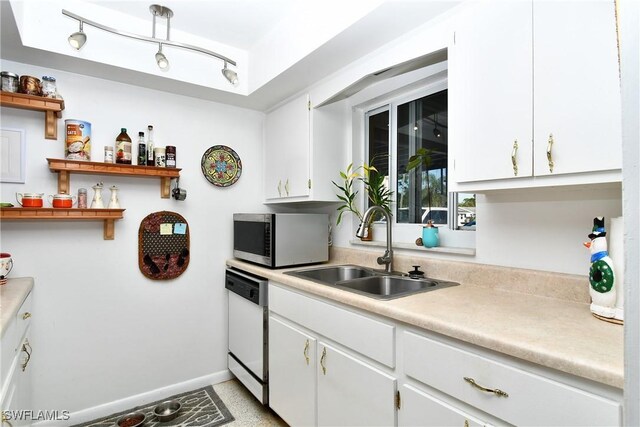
[(402, 232)]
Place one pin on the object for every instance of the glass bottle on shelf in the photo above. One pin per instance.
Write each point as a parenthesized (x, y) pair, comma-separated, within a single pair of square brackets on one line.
[(142, 149), (82, 198), (150, 147), (123, 147)]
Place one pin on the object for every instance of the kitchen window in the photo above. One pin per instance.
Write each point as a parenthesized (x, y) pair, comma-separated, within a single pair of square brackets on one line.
[(421, 121)]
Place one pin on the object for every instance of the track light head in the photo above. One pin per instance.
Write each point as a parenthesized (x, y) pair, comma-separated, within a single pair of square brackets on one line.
[(230, 75), (162, 60), (78, 39)]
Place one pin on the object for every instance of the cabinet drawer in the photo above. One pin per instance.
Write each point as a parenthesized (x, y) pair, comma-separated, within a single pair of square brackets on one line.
[(367, 336), (532, 399), (23, 319), (421, 409)]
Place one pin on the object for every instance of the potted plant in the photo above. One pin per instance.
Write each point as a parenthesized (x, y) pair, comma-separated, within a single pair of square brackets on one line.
[(373, 183), (430, 237)]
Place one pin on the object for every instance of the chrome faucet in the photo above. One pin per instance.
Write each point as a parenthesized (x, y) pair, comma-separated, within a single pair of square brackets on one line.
[(387, 258)]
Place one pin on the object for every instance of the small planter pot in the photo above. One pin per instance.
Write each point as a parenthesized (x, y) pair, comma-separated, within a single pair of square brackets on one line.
[(430, 237)]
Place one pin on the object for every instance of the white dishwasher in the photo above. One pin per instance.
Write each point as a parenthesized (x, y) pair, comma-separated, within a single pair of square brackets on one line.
[(248, 331)]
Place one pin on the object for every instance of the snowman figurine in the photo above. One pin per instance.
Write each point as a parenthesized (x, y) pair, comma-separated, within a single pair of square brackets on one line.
[(601, 274)]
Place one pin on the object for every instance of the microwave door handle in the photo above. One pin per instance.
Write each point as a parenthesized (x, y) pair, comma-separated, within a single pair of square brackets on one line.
[(253, 279)]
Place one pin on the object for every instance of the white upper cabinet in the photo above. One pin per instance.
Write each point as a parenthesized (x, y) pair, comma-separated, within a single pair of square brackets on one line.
[(304, 151), (544, 74), (577, 87), (287, 150), (490, 91)]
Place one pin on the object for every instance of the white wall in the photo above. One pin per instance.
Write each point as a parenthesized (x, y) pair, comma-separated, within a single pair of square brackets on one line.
[(542, 229), (101, 330)]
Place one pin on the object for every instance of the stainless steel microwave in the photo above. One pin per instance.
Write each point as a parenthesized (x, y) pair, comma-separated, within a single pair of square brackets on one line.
[(281, 239)]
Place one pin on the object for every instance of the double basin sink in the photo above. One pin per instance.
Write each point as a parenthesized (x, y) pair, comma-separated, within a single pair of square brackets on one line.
[(369, 282)]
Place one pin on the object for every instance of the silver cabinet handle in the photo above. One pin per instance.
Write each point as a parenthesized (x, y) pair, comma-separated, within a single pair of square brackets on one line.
[(495, 391), (549, 154), (305, 352), (286, 186), (280, 188), (322, 359), (514, 159)]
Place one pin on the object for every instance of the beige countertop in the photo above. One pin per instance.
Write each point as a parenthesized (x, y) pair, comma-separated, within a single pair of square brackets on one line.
[(551, 332), (12, 295)]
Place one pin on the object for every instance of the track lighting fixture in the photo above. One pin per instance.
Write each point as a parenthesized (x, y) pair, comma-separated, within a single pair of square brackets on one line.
[(230, 75), (162, 60), (78, 39)]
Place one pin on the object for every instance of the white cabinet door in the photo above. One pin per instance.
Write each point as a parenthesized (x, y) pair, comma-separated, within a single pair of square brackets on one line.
[(292, 374), (490, 89), (420, 409), (352, 393), (577, 87), (287, 148), (23, 373)]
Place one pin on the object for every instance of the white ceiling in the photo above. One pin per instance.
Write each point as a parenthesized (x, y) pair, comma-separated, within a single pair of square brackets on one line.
[(282, 46), (239, 23)]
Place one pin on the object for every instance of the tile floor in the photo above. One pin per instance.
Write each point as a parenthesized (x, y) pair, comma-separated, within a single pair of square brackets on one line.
[(246, 410)]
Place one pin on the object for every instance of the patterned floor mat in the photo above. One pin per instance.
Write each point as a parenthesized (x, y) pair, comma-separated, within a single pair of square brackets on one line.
[(200, 408)]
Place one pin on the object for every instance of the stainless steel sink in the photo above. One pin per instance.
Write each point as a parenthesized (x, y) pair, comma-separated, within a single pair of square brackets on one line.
[(389, 287), (334, 274), (368, 282)]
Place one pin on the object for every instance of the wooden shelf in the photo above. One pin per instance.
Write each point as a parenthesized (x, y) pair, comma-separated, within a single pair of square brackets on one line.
[(66, 167), (52, 109), (106, 215)]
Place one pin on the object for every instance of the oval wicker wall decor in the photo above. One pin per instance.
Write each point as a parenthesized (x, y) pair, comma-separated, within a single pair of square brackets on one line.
[(163, 245)]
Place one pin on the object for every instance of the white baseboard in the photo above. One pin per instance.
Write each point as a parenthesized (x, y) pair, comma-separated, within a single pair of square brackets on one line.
[(105, 409)]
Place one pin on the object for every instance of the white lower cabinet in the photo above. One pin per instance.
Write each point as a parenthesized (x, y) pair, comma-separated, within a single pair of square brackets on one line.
[(334, 365), (351, 392), (305, 375), (418, 408), (507, 392), (323, 368), (15, 382), (292, 373)]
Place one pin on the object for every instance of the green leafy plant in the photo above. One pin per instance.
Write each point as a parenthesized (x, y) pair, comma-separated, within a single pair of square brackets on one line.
[(422, 158), (373, 182), (348, 194), (377, 192)]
